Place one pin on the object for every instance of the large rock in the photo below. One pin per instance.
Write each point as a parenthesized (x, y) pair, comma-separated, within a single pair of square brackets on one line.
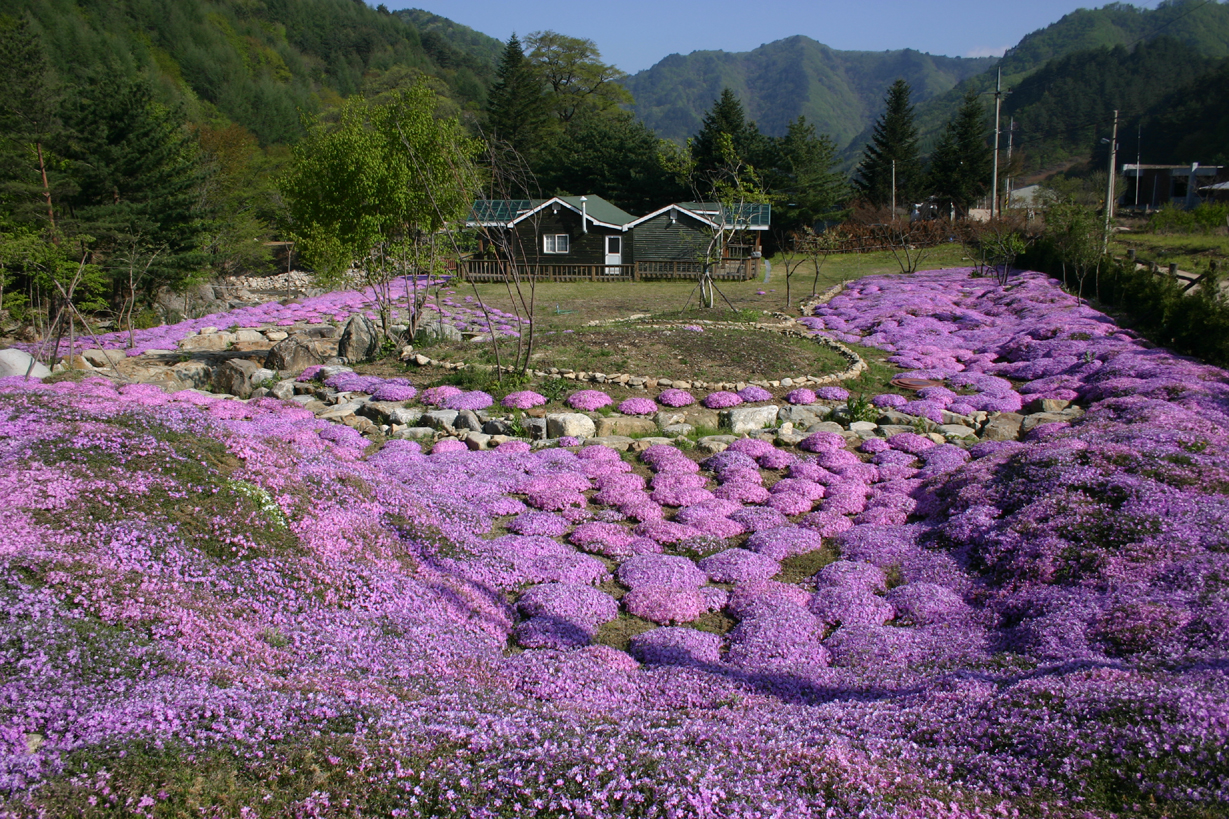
[(1046, 405), (803, 417), (293, 354), (360, 341), (440, 419), (17, 362), (234, 376), (703, 417), (956, 431), (104, 358), (749, 419), (283, 390), (624, 425), (437, 332), (1003, 427), (467, 420), (194, 374), (574, 424), (207, 342), (392, 412), (667, 418)]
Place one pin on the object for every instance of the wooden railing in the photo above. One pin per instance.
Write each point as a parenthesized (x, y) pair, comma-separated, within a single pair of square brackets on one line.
[(481, 270)]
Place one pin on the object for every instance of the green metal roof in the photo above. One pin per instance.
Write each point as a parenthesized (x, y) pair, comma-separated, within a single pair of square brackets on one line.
[(743, 214), (502, 212), (601, 210)]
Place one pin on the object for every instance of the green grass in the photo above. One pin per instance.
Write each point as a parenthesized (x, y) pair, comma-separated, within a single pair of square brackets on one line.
[(1191, 252), (801, 568)]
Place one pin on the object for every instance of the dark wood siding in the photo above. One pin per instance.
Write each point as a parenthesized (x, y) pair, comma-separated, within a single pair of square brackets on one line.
[(657, 240), (585, 248)]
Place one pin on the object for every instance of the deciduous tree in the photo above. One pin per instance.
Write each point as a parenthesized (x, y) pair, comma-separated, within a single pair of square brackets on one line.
[(374, 189), (575, 76)]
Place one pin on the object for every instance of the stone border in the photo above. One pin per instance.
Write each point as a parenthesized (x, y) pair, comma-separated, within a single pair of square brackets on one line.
[(856, 365), (823, 298)]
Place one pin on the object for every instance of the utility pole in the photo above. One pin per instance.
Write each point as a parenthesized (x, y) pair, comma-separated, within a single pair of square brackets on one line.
[(893, 188), (1139, 152), (994, 183), (1109, 186), (1011, 127)]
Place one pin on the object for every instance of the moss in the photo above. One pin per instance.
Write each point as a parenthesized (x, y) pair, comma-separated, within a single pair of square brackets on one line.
[(801, 568), (618, 633)]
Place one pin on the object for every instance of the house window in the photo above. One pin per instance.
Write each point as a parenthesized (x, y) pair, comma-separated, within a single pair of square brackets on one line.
[(555, 243)]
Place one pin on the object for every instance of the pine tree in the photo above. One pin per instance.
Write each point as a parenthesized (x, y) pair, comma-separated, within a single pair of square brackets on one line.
[(804, 183), (517, 107), (137, 172), (960, 167), (727, 117), (27, 121), (894, 138)]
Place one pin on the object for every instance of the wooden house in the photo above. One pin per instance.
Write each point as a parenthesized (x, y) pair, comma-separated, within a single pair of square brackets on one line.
[(563, 238), (678, 238), (578, 238)]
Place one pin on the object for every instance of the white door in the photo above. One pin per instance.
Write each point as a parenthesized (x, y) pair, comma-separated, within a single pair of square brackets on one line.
[(614, 254)]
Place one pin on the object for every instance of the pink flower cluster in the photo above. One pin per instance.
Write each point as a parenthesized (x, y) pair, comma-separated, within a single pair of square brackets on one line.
[(675, 398), (588, 400)]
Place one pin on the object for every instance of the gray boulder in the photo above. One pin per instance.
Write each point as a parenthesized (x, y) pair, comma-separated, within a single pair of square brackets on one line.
[(624, 425), (283, 390), (234, 377), (440, 419), (574, 424), (467, 420), (360, 341), (293, 354), (195, 374), (749, 419), (1003, 427), (17, 362)]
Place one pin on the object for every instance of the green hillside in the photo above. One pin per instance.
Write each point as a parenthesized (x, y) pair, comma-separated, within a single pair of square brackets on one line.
[(259, 64), (1192, 123), (839, 91), (1200, 25), (1062, 109)]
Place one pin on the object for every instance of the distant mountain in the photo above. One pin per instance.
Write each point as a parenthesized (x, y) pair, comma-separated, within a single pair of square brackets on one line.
[(841, 92), (261, 64)]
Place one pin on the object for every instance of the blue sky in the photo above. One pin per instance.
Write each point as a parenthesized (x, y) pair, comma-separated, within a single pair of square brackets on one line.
[(635, 34)]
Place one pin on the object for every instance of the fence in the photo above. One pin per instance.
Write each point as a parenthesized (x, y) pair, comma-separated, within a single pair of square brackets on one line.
[(481, 270)]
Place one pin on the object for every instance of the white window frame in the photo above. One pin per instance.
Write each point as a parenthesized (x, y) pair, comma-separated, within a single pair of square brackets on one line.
[(551, 242)]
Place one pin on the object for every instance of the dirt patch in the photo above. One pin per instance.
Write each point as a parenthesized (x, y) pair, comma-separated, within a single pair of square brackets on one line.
[(713, 354)]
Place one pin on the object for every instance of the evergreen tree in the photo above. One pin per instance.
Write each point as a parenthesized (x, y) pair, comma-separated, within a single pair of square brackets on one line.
[(961, 165), (614, 155), (27, 121), (894, 138), (804, 183), (136, 173), (517, 107), (727, 117)]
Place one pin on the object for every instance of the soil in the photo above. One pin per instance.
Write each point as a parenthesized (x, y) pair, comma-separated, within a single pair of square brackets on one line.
[(715, 354)]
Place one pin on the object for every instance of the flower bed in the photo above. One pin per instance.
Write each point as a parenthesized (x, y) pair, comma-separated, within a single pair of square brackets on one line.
[(1033, 625)]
